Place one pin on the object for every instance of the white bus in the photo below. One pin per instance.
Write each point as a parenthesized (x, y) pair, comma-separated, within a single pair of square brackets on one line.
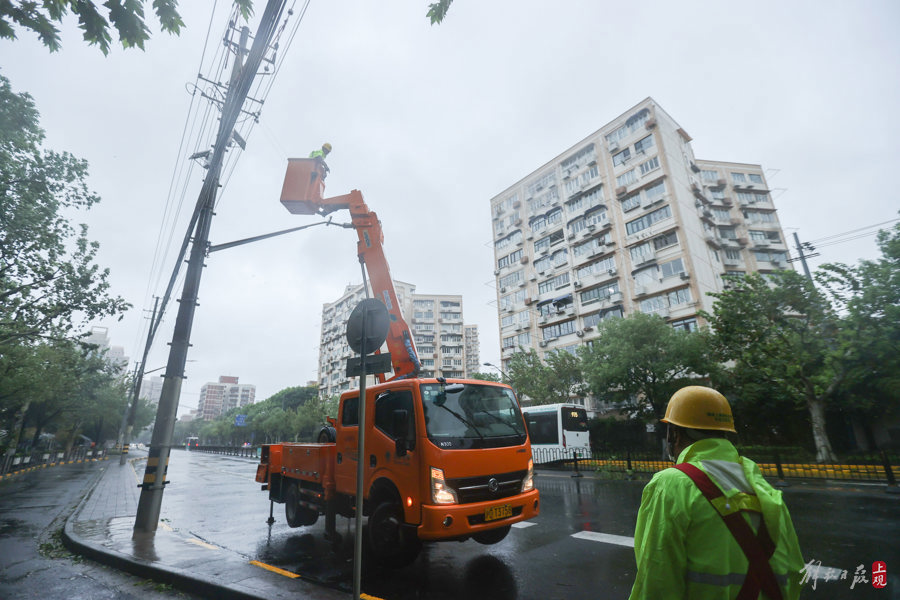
[(556, 430)]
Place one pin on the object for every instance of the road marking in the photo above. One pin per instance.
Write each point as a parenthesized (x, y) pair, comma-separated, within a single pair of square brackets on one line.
[(274, 569), (523, 524), (606, 538), (202, 544)]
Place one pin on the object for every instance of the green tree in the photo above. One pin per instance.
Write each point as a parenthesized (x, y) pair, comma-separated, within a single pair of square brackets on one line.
[(554, 381), (785, 332), (642, 361), (867, 298), (438, 10), (127, 18), (50, 285)]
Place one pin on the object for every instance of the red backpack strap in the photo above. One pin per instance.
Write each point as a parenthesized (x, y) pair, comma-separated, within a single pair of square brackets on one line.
[(757, 548)]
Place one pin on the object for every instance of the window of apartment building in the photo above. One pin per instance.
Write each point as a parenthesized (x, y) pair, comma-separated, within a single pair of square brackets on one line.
[(631, 202), (689, 324), (769, 236), (451, 338), (610, 313), (671, 268), (423, 326), (512, 299), (558, 330), (717, 195), (646, 276), (643, 144), (554, 283), (561, 257), (594, 244), (752, 197), (647, 220), (677, 297), (423, 314), (770, 256), (599, 293), (554, 217), (596, 216), (505, 204), (655, 191), (732, 254), (665, 240), (511, 239), (759, 216), (650, 165), (543, 264), (738, 178), (538, 223), (654, 304), (512, 279), (451, 328), (626, 178), (542, 182), (578, 183), (427, 362), (727, 233), (600, 267), (620, 158), (539, 203), (510, 259), (451, 350), (449, 304), (633, 123), (638, 252), (507, 320), (755, 178), (585, 201), (582, 157), (708, 175), (721, 214)]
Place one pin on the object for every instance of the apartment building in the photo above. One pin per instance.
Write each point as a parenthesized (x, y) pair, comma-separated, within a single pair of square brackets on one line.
[(443, 342), (473, 350), (217, 398), (625, 220)]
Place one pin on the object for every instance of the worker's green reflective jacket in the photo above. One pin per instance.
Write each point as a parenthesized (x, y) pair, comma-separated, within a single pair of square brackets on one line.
[(683, 547)]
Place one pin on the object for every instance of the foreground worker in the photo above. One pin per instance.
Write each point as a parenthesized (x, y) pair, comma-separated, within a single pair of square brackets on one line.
[(323, 153), (712, 527)]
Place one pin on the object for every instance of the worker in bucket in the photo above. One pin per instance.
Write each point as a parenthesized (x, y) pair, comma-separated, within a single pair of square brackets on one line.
[(320, 155), (711, 526)]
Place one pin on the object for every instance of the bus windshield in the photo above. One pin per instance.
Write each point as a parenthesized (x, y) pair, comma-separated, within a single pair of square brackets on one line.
[(471, 416)]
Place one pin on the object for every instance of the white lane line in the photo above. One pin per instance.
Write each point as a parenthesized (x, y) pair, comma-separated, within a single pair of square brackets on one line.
[(523, 524), (606, 538)]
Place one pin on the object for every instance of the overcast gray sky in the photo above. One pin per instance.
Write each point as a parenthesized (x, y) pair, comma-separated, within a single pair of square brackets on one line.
[(431, 122)]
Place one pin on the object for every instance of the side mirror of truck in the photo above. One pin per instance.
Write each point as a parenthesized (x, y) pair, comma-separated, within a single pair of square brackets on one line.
[(400, 427)]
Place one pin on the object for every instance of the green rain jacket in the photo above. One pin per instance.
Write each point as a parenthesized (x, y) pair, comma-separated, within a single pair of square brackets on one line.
[(685, 550)]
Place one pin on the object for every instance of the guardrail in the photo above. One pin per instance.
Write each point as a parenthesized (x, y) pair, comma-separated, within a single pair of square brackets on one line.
[(864, 467), (245, 451), (13, 465)]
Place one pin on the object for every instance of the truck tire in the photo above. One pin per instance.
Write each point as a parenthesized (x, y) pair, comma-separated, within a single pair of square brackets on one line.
[(491, 536), (389, 542), (295, 514), (327, 435)]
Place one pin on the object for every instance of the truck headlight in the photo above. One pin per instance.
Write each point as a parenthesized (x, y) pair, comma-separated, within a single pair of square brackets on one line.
[(441, 493), (528, 481)]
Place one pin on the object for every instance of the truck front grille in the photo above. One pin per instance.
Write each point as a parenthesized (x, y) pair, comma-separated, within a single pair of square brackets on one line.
[(482, 488)]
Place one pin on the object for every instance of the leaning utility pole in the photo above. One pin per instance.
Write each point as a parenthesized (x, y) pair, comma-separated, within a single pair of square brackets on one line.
[(147, 518), (131, 413)]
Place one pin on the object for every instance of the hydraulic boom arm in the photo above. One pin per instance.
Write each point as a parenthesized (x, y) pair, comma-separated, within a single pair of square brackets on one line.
[(302, 194)]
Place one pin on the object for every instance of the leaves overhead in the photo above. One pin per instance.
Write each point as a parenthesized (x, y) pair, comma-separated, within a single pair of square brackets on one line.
[(438, 10), (125, 17)]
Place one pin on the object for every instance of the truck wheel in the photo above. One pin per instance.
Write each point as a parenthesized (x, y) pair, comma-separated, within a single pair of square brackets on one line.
[(327, 435), (294, 514), (491, 536), (390, 543)]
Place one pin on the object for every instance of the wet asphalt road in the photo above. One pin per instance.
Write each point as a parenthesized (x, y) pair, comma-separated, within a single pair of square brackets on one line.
[(33, 561), (577, 549)]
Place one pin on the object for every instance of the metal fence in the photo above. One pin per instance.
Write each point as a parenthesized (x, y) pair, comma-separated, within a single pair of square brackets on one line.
[(875, 467), (245, 451), (10, 465)]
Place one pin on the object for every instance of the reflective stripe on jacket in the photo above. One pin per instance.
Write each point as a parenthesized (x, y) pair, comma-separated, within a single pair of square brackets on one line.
[(684, 549)]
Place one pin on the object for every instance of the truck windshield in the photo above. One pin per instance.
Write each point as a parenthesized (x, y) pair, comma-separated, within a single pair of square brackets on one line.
[(471, 416)]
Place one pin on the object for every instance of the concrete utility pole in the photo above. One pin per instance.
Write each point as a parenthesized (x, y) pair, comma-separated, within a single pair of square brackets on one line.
[(147, 518), (801, 256)]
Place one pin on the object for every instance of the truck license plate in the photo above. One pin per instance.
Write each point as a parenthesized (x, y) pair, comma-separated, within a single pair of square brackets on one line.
[(493, 513)]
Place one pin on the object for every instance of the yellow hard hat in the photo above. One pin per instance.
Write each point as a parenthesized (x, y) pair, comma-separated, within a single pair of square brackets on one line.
[(698, 407), (326, 147)]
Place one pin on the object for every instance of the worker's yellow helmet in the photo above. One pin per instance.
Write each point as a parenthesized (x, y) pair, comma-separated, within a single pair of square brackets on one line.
[(698, 407), (326, 147)]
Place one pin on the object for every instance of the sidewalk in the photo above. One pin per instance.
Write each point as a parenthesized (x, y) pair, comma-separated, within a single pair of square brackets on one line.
[(101, 529)]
